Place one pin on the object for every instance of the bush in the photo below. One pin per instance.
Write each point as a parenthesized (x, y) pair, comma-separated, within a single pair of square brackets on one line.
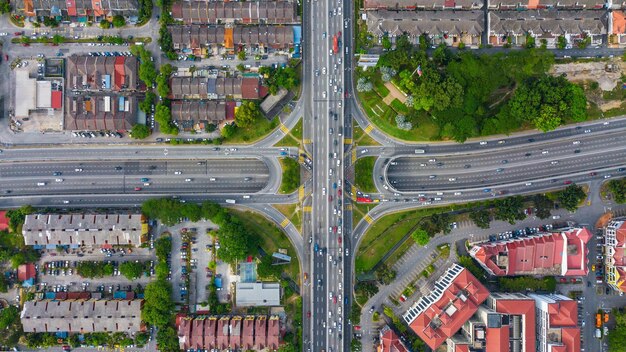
[(119, 21), (140, 131)]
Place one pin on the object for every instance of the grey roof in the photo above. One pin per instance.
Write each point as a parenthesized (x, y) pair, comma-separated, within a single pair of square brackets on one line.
[(215, 12), (82, 229), (82, 316), (185, 114), (257, 294), (548, 22), (198, 87), (415, 23), (197, 36), (86, 72), (95, 112), (562, 4), (423, 4)]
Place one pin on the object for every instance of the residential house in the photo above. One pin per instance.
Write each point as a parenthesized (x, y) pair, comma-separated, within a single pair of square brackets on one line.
[(76, 11), (450, 27), (222, 12), (423, 5), (557, 323), (615, 254)]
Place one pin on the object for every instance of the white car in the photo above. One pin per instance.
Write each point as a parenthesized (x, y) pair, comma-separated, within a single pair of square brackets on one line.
[(457, 193), (58, 180), (177, 172), (323, 70), (78, 170), (324, 94), (576, 142), (187, 180), (324, 191), (483, 143), (528, 183), (452, 179)]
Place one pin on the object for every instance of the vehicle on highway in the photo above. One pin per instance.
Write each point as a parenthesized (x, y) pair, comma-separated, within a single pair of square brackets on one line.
[(41, 183), (452, 179), (145, 179), (576, 142), (528, 184), (58, 180), (567, 182), (187, 180), (137, 188), (487, 190), (78, 170), (483, 143), (177, 172), (57, 173)]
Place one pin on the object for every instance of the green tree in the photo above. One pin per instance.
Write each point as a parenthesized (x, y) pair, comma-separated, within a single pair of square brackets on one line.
[(119, 21), (617, 335), (50, 22), (267, 271), (235, 241), (167, 340), (24, 40), (561, 42), (228, 130), (104, 24), (241, 68), (509, 209), (140, 131), (247, 114), (420, 237), (146, 103), (163, 116), (8, 316), (543, 205), (618, 190), (132, 270), (366, 288), (530, 41), (241, 55), (481, 218), (385, 274), (5, 7), (147, 71), (158, 306), (386, 42), (58, 39), (571, 196), (162, 246)]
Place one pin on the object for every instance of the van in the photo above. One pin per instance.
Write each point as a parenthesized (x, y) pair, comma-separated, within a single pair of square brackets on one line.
[(437, 198), (246, 197), (41, 183), (347, 50), (212, 179), (440, 193)]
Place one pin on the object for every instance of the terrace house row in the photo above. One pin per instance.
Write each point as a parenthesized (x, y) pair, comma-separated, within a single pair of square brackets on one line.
[(492, 4), (204, 40), (82, 316), (83, 229), (223, 12), (77, 11), (229, 333)]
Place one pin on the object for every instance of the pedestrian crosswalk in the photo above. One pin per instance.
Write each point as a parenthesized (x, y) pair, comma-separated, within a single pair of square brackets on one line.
[(368, 129), (368, 219), (284, 128), (285, 223)]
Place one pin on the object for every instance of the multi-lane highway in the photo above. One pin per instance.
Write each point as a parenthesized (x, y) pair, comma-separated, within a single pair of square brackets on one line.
[(326, 127)]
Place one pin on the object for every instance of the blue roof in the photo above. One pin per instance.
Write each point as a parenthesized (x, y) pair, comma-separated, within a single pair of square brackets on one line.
[(28, 283), (50, 295), (120, 104), (106, 80), (297, 34), (119, 295), (218, 282)]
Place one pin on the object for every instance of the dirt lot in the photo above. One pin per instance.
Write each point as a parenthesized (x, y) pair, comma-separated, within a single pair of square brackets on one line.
[(606, 73)]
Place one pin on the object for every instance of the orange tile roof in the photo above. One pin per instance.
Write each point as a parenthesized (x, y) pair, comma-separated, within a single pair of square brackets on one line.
[(570, 337), (4, 221), (619, 22), (390, 342), (26, 271), (533, 4), (497, 339), (228, 38), (562, 313), (525, 307), (440, 320)]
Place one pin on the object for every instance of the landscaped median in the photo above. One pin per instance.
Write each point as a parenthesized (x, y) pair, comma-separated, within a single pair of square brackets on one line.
[(363, 170), (291, 175)]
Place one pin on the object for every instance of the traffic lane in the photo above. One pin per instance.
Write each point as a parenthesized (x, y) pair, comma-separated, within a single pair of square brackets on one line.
[(534, 151), (223, 167), (591, 167)]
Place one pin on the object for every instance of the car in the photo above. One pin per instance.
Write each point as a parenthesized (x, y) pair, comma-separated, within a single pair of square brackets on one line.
[(145, 179), (556, 217), (57, 173), (554, 162), (502, 141), (137, 188), (324, 94), (78, 170), (58, 180), (499, 170), (177, 172), (607, 176), (587, 131), (567, 182), (593, 173), (544, 152), (576, 142), (621, 169), (576, 151), (487, 190), (452, 179), (483, 143)]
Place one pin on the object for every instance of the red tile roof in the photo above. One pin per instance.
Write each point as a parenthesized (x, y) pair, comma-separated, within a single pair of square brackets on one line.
[(235, 333), (620, 235), (4, 221), (26, 271), (457, 304), (251, 88), (184, 333), (498, 339), (222, 333), (210, 337), (120, 75), (247, 342), (57, 99), (197, 334), (273, 333), (525, 307), (562, 313), (461, 348), (260, 333), (71, 7), (389, 341), (550, 253), (570, 337)]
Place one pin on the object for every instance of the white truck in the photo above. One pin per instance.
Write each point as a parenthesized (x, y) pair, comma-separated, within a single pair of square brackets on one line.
[(231, 201)]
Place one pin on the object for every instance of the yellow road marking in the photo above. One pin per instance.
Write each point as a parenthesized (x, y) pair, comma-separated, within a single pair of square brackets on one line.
[(347, 141), (368, 219), (301, 193), (307, 209), (306, 141), (284, 223), (348, 207), (368, 129), (353, 156), (284, 128)]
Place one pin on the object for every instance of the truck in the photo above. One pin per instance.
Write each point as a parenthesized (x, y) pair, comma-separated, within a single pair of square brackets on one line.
[(419, 151), (231, 201), (598, 334), (335, 44), (598, 320)]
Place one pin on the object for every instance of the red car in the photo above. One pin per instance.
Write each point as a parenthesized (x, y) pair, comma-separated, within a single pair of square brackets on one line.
[(563, 280), (567, 182), (593, 173), (335, 229), (137, 188), (330, 198), (339, 239), (339, 192), (422, 199), (308, 314), (335, 299)]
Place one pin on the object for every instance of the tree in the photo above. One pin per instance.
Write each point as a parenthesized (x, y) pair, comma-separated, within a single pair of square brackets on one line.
[(167, 340), (543, 205), (247, 114), (420, 237), (403, 124), (158, 306), (481, 218), (228, 130), (146, 103), (50, 22), (104, 24), (241, 68), (617, 336), (119, 21), (8, 316), (267, 271), (441, 223), (509, 209), (163, 245), (530, 41), (235, 241), (5, 7), (163, 116), (363, 85), (132, 270), (571, 196), (58, 39), (24, 40), (386, 42), (241, 55), (210, 127), (147, 71), (145, 11), (561, 42), (385, 274), (366, 288), (140, 131)]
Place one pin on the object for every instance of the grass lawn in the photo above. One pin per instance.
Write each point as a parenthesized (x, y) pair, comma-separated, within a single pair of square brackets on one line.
[(287, 141), (379, 86), (291, 212), (387, 232), (384, 117), (360, 137), (363, 169), (399, 107), (291, 175), (296, 131), (253, 133), (271, 238), (359, 211)]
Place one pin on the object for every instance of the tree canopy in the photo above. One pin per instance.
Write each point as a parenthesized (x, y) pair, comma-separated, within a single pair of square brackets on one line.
[(132, 270), (420, 237), (158, 306), (140, 131), (571, 196), (510, 209), (247, 114), (617, 336), (119, 21), (481, 218)]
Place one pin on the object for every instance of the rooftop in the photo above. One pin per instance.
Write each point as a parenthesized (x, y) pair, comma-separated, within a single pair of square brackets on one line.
[(550, 22), (214, 12), (415, 23), (257, 294)]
